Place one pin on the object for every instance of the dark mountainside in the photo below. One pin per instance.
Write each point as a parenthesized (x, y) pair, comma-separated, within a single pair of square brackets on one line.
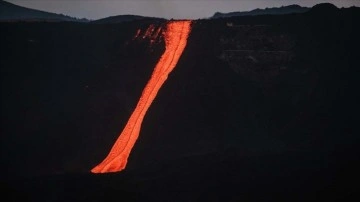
[(12, 12), (259, 108), (267, 11)]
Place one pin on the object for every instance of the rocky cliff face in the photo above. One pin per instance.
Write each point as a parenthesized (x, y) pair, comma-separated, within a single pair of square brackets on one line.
[(257, 52)]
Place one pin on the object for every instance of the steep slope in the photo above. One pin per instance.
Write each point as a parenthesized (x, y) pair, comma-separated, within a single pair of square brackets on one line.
[(175, 36), (262, 109), (68, 86)]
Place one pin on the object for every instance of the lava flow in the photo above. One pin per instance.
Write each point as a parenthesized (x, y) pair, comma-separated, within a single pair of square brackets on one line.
[(175, 35)]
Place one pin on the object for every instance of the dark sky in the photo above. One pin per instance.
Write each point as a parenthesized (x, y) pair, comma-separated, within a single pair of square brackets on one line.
[(191, 9)]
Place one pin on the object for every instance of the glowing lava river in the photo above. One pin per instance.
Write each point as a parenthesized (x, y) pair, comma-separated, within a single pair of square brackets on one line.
[(175, 35)]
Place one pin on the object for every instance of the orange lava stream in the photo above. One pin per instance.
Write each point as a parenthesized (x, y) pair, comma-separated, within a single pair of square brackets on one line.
[(176, 35)]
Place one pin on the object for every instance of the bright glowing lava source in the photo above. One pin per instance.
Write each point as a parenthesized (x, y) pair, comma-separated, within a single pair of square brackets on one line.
[(175, 35)]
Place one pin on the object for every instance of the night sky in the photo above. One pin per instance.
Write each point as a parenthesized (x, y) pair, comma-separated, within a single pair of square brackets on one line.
[(179, 9)]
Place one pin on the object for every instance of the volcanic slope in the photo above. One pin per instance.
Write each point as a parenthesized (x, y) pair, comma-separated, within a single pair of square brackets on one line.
[(175, 34), (262, 104)]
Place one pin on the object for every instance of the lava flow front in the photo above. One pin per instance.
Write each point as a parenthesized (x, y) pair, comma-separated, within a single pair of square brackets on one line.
[(176, 35)]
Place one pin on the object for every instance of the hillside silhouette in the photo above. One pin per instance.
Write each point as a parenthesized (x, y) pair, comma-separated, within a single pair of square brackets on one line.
[(122, 18), (12, 12), (267, 11)]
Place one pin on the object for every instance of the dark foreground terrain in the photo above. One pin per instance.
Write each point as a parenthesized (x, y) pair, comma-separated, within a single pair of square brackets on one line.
[(260, 108)]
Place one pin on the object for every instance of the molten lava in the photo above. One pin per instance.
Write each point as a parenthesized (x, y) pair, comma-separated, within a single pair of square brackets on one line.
[(176, 35), (150, 34)]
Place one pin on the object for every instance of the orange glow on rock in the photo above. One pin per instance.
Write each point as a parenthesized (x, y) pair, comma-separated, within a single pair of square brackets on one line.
[(149, 31), (176, 35), (150, 34), (137, 34), (155, 36)]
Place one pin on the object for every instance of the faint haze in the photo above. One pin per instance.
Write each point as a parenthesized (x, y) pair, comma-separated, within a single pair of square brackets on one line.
[(190, 9)]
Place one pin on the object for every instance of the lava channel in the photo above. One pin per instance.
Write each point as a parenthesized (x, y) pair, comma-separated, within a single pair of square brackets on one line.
[(175, 35)]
